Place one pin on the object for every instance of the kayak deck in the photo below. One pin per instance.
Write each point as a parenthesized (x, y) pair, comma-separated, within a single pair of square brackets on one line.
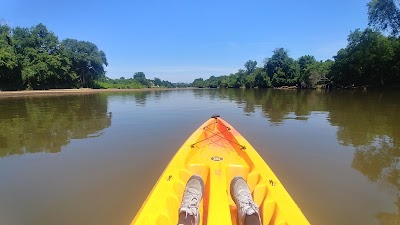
[(218, 153)]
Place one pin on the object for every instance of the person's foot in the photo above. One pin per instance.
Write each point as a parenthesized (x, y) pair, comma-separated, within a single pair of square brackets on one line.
[(191, 198), (241, 195)]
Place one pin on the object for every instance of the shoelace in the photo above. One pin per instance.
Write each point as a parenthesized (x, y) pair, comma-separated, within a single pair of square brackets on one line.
[(246, 202), (191, 201)]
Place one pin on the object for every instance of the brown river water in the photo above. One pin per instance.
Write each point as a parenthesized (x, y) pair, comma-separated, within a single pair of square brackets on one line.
[(93, 158)]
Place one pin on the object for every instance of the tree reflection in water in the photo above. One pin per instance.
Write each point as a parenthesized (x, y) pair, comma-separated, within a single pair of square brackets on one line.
[(368, 121), (47, 124)]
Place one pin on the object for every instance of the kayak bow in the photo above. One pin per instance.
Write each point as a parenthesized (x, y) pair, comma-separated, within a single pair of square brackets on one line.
[(217, 153)]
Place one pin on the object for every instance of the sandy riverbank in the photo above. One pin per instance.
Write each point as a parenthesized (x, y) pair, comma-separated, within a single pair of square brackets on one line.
[(55, 92)]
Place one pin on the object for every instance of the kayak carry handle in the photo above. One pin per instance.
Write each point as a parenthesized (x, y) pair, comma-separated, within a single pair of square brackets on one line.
[(215, 116)]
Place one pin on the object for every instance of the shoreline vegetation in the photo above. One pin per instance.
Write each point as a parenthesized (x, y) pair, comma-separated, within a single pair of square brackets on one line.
[(34, 59), (371, 59)]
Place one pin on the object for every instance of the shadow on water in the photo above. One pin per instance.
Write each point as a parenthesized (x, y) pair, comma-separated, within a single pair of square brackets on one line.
[(32, 125), (367, 121)]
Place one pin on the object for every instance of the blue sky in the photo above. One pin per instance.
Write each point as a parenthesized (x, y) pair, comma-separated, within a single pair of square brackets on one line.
[(182, 40)]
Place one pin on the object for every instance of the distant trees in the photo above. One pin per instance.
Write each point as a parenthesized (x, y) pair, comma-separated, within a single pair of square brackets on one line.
[(137, 81), (140, 77), (369, 59), (282, 69), (250, 66), (278, 70), (33, 58), (199, 82), (163, 83)]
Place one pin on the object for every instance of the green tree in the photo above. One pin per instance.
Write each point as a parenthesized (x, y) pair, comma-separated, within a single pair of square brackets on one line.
[(251, 80), (157, 81), (313, 72), (10, 71), (281, 68), (234, 81), (44, 64), (224, 81), (34, 58), (368, 59), (250, 66), (87, 60), (199, 82), (384, 15), (305, 62), (241, 76), (213, 82), (261, 78), (140, 77)]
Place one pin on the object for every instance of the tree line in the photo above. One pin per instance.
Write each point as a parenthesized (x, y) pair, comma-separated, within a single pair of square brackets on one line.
[(34, 58), (277, 71), (138, 80), (370, 58)]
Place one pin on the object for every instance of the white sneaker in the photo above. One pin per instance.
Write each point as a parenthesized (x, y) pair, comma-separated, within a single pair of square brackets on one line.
[(191, 197), (241, 195)]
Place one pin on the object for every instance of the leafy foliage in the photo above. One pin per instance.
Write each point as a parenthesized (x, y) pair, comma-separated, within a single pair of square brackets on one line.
[(33, 58), (250, 66), (282, 69), (9, 67), (369, 59), (278, 70), (138, 81), (384, 15), (87, 61)]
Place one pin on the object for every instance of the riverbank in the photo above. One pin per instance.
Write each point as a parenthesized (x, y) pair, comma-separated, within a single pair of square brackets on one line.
[(58, 92)]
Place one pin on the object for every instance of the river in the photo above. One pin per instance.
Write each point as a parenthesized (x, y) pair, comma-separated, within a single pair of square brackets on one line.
[(93, 158)]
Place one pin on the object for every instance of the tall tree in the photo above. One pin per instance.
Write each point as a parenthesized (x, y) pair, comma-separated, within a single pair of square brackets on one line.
[(87, 60), (250, 66), (368, 59), (140, 77), (261, 78), (305, 62), (384, 15), (281, 68), (10, 71), (43, 63), (199, 82)]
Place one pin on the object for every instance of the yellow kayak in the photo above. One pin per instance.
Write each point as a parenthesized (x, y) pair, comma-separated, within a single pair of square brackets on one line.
[(218, 153)]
